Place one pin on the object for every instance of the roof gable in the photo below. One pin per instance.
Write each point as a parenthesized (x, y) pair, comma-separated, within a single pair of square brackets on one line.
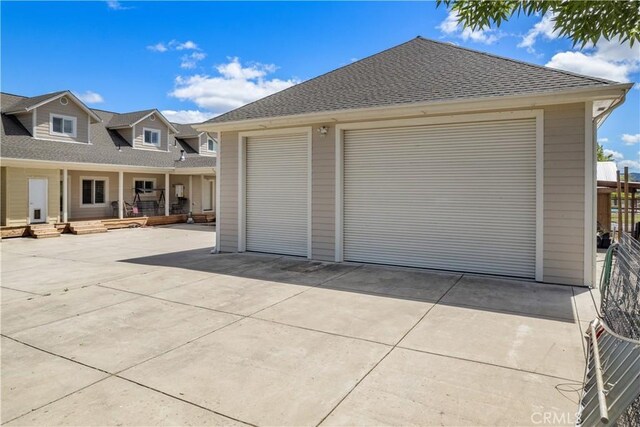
[(131, 119), (419, 70), (25, 105)]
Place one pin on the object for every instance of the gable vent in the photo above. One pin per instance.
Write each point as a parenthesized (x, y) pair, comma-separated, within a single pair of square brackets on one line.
[(64, 100), (152, 117)]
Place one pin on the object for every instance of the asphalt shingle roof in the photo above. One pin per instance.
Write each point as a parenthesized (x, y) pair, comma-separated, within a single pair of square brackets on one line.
[(127, 119), (419, 70), (16, 142), (185, 131), (17, 103)]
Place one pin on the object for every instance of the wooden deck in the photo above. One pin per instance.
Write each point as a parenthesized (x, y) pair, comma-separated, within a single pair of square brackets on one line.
[(111, 223)]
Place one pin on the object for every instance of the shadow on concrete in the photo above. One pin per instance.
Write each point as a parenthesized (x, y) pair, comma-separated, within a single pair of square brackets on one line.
[(487, 293)]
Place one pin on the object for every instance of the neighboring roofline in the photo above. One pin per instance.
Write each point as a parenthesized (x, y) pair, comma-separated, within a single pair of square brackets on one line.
[(53, 98), (102, 167), (153, 111), (425, 108)]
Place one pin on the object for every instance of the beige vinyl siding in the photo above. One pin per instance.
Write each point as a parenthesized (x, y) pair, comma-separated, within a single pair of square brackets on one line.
[(26, 120), (564, 203), (204, 146), (16, 196), (323, 198), (156, 124), (3, 196), (127, 134), (43, 120), (228, 221), (80, 211)]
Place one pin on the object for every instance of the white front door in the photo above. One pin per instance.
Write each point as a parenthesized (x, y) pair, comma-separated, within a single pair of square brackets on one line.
[(37, 200)]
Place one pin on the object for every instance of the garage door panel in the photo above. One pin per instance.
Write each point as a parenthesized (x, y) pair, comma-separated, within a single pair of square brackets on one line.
[(277, 187), (457, 196)]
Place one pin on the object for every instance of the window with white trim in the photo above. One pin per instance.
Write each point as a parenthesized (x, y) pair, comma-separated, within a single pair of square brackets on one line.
[(93, 191), (151, 136), (63, 125), (211, 145), (143, 185)]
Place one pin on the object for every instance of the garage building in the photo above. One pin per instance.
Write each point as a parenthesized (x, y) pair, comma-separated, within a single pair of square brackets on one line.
[(424, 155)]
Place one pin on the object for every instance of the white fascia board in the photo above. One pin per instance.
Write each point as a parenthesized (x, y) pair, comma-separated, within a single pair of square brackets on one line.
[(425, 108), (194, 171), (48, 164)]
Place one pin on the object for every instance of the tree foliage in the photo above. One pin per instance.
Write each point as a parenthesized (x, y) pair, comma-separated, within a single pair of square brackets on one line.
[(583, 22), (601, 156)]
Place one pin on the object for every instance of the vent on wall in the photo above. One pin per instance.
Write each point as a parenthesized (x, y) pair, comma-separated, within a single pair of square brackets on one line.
[(64, 100), (152, 117)]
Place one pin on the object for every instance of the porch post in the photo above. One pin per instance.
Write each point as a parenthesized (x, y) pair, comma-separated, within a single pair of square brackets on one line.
[(202, 193), (120, 194), (167, 194), (191, 193), (65, 195)]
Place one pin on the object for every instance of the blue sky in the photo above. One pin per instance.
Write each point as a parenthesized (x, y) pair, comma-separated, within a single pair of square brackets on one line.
[(192, 60)]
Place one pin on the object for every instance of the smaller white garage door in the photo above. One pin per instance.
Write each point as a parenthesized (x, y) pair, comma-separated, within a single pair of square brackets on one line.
[(277, 194)]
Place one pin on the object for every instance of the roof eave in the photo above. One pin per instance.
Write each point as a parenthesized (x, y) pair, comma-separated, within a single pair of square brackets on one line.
[(53, 98), (426, 108)]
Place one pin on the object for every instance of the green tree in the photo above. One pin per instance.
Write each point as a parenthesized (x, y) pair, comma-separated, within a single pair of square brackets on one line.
[(582, 21), (601, 156)]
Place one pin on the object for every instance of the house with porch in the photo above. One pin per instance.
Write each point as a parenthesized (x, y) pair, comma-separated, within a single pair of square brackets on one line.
[(63, 162)]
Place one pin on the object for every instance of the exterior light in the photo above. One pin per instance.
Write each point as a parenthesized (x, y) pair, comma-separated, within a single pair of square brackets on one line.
[(182, 158), (323, 130)]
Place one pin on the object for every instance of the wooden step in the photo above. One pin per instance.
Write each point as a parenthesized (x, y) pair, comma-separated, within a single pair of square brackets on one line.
[(41, 231), (87, 227)]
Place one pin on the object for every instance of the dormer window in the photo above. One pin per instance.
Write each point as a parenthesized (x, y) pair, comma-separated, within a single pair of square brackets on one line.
[(151, 137), (211, 145), (63, 125)]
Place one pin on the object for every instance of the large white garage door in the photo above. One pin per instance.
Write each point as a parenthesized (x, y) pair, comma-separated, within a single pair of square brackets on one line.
[(454, 196), (276, 185)]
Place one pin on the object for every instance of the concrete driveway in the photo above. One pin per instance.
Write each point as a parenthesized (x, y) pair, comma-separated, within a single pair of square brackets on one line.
[(146, 327)]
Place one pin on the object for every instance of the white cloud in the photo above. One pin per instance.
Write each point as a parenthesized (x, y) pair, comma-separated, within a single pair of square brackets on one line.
[(603, 140), (116, 5), (544, 28), (173, 45), (191, 61), (610, 60), (633, 165), (236, 85), (187, 116), (615, 155), (451, 27), (158, 47), (631, 139), (90, 97), (188, 45)]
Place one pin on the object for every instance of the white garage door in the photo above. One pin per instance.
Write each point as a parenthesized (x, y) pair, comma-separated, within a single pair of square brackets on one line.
[(276, 185), (455, 197)]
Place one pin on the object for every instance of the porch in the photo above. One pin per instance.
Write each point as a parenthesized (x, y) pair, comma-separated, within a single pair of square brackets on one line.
[(118, 196)]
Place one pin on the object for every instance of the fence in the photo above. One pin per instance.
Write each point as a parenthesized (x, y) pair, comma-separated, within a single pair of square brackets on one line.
[(612, 380)]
